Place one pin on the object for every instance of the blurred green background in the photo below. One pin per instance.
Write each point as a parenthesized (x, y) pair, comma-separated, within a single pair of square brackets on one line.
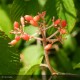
[(66, 59)]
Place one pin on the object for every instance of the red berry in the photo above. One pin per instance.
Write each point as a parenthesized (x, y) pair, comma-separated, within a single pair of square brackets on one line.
[(25, 37), (34, 23), (57, 22), (63, 23), (13, 42), (28, 17), (16, 25), (17, 38), (36, 18), (48, 47), (62, 31)]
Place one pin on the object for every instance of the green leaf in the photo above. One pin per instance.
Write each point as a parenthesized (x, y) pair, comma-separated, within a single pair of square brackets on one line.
[(69, 43), (5, 22), (63, 59), (23, 7), (28, 77), (50, 8), (66, 10), (63, 9), (33, 56), (77, 6), (30, 29), (42, 2), (77, 66), (76, 56), (9, 58)]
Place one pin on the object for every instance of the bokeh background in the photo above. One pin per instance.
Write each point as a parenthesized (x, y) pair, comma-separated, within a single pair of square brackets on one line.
[(25, 57)]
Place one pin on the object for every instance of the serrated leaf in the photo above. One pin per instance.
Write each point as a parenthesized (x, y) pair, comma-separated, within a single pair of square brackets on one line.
[(5, 22), (63, 9), (66, 10), (23, 7), (33, 56), (50, 8), (9, 58)]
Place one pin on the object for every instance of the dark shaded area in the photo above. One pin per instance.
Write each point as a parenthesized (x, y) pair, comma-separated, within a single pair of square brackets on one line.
[(6, 1), (77, 6)]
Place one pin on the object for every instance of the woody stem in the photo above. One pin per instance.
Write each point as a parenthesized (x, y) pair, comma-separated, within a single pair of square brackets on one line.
[(46, 52)]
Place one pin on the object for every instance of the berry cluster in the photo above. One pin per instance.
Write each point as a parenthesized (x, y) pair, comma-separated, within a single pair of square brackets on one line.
[(19, 28), (60, 24), (38, 21), (19, 33)]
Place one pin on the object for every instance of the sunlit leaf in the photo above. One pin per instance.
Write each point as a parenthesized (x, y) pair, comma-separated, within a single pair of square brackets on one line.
[(33, 56), (64, 9), (5, 22), (31, 29)]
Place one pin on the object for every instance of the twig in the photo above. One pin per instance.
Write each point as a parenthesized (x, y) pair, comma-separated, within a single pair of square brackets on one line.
[(44, 65), (53, 34), (49, 27), (55, 75), (15, 32), (66, 74), (52, 40), (37, 38)]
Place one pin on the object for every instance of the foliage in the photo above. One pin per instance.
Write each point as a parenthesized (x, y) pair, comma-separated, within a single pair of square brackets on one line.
[(65, 59), (9, 59)]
